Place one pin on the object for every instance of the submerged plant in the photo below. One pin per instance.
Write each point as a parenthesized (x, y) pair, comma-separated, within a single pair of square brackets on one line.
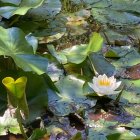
[(104, 85)]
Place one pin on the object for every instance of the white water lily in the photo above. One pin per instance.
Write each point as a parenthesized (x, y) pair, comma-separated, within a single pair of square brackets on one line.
[(104, 85)]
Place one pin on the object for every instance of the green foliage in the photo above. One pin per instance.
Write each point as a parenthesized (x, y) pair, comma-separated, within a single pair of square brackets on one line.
[(77, 54), (16, 93), (59, 55), (8, 123), (17, 47), (101, 65), (37, 134), (71, 95), (9, 10)]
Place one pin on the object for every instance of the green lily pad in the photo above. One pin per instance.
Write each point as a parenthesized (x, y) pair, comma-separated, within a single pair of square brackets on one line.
[(25, 5), (101, 65), (77, 54), (70, 98), (48, 9), (14, 44), (131, 58)]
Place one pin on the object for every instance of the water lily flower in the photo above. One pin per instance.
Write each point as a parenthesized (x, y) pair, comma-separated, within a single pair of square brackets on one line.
[(104, 85)]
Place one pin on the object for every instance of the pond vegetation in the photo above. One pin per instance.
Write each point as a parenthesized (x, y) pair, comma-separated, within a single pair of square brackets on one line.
[(70, 69)]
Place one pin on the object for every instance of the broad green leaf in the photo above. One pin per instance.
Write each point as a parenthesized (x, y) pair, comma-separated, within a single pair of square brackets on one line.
[(25, 5), (31, 62), (48, 9), (118, 52), (95, 43), (79, 53), (101, 65), (118, 15), (76, 54), (14, 44), (70, 95), (61, 58)]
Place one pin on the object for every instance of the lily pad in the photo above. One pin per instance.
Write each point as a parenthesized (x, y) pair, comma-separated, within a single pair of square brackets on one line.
[(14, 44), (70, 98), (101, 65), (47, 10), (79, 53), (25, 5)]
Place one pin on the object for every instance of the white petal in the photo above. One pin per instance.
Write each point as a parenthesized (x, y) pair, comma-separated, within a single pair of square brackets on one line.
[(112, 79), (95, 79), (118, 84), (94, 87), (114, 92), (91, 85)]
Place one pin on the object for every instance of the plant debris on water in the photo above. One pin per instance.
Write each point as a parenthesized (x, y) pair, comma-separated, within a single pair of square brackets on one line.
[(70, 70)]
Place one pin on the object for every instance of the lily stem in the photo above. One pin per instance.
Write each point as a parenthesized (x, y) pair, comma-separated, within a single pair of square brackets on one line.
[(19, 119), (118, 97)]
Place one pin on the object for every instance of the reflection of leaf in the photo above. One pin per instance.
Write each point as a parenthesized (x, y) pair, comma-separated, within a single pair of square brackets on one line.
[(25, 5)]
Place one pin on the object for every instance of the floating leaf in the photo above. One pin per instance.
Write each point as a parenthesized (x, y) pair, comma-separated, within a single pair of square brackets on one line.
[(70, 98), (25, 5), (14, 44), (101, 65), (48, 9), (95, 43), (79, 53)]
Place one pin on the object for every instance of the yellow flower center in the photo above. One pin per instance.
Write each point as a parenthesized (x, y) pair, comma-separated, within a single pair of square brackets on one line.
[(104, 82)]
